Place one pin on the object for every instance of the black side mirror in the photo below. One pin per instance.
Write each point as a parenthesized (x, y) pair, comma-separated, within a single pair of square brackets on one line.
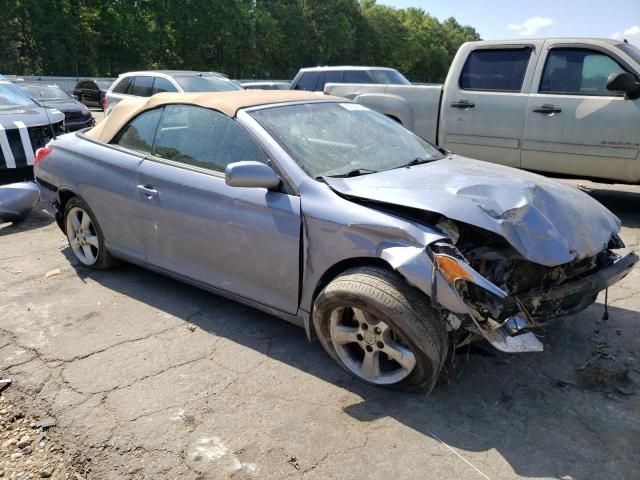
[(623, 82)]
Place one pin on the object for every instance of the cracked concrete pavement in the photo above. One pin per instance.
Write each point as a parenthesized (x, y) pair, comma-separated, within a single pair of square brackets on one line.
[(150, 378)]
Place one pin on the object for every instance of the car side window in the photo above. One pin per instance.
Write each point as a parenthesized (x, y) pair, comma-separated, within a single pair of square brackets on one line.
[(307, 81), (357, 76), (141, 86), (138, 134), (500, 70), (122, 85), (161, 85), (203, 138), (578, 72)]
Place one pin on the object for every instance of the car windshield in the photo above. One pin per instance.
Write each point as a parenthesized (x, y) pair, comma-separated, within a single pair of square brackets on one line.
[(391, 77), (343, 139), (12, 97), (206, 83), (45, 92), (631, 50)]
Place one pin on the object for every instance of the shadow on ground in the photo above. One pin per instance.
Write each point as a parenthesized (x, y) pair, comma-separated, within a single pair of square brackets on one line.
[(36, 219), (543, 415), (625, 204)]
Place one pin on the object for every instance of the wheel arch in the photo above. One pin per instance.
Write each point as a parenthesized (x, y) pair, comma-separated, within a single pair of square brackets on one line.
[(333, 272), (64, 195)]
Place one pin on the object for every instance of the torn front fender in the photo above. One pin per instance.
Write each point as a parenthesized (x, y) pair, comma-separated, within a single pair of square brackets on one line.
[(417, 268)]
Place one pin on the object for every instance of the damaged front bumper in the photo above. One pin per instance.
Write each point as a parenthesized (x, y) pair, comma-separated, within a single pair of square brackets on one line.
[(503, 319)]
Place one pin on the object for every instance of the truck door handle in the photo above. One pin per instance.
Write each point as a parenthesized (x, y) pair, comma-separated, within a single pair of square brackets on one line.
[(547, 109), (148, 191), (463, 104)]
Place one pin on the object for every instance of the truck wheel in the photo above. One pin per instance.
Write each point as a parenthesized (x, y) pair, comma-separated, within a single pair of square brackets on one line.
[(85, 237), (381, 330)]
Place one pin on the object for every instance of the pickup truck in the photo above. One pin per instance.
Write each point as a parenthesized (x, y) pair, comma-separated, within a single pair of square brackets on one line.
[(563, 106)]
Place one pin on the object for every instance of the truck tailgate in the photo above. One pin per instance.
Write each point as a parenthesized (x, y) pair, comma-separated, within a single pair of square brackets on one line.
[(415, 106)]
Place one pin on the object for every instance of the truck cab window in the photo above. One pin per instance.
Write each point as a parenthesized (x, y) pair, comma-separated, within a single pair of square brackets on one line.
[(578, 72), (307, 81), (495, 69), (357, 76)]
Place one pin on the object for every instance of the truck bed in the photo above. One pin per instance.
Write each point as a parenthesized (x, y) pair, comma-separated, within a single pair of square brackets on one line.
[(414, 106)]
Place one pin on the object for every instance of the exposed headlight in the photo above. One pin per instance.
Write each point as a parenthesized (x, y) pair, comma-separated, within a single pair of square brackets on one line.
[(85, 111)]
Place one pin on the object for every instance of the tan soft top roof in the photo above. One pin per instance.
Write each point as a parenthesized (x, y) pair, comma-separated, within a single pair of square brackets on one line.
[(226, 102)]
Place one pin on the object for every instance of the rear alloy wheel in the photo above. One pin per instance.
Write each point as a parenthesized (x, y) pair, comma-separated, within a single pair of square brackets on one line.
[(84, 235), (381, 330)]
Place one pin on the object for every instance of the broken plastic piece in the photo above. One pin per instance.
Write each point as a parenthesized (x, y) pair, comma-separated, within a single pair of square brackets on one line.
[(526, 342), (46, 422)]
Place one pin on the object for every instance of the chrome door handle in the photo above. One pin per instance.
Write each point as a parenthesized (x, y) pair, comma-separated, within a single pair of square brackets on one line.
[(547, 109), (148, 191), (463, 104)]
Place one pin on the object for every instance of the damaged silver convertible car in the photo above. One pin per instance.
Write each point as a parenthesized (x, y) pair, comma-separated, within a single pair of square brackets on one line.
[(387, 249)]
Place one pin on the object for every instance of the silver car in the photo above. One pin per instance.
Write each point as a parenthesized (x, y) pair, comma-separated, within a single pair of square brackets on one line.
[(385, 248), (151, 82)]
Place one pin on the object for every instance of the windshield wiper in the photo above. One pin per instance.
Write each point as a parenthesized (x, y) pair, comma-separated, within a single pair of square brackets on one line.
[(354, 173), (419, 161)]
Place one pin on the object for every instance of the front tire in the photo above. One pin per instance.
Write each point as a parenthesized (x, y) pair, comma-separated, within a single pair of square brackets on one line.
[(381, 330), (85, 237)]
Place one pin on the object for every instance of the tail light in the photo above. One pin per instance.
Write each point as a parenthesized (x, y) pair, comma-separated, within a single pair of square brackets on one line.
[(104, 103), (41, 153)]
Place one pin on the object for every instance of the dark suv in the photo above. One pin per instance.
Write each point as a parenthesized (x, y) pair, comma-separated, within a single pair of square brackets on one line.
[(92, 92), (76, 115), (314, 79)]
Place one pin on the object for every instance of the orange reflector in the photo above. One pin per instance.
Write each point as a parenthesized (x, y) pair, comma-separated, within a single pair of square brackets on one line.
[(451, 270)]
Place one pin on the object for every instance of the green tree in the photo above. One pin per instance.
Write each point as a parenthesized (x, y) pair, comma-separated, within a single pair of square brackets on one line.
[(242, 38)]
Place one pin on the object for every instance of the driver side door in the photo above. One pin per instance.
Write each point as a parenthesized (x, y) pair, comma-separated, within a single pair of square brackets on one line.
[(245, 241), (574, 125)]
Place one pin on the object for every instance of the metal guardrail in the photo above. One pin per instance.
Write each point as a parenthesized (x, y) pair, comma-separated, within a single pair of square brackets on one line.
[(68, 83), (65, 83)]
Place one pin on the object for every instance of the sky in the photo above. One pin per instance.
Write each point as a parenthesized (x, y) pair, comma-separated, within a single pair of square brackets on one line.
[(501, 19)]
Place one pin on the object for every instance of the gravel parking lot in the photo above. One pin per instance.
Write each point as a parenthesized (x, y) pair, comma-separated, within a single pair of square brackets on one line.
[(149, 378)]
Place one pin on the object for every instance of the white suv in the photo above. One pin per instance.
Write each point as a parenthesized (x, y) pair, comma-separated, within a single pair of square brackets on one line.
[(147, 83)]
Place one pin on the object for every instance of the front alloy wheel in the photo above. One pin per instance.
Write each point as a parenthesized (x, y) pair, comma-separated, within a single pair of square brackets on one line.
[(369, 347), (380, 329)]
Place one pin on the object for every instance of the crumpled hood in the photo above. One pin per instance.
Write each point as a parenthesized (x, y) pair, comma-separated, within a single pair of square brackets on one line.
[(547, 222)]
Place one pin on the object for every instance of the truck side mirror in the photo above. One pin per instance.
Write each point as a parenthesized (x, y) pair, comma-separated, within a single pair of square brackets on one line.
[(623, 82)]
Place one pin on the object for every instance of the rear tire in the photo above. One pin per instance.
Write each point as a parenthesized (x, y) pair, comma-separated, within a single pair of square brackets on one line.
[(85, 236), (381, 330)]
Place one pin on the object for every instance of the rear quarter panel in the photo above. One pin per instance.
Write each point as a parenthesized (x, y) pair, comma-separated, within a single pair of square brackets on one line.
[(105, 179)]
